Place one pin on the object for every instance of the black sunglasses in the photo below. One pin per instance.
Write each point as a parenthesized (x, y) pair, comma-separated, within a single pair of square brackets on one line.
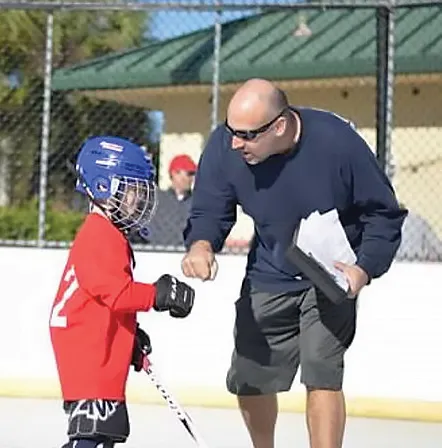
[(253, 133)]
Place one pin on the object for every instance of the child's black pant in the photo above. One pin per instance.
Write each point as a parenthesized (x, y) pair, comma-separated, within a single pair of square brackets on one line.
[(96, 423), (85, 443)]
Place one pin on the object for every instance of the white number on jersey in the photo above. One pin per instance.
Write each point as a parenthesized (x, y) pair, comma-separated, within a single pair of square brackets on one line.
[(72, 285)]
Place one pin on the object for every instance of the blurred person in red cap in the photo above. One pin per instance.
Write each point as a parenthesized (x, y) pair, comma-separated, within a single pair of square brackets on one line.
[(166, 228), (182, 171)]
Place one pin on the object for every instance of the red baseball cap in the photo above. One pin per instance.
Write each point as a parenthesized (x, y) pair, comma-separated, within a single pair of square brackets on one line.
[(182, 163)]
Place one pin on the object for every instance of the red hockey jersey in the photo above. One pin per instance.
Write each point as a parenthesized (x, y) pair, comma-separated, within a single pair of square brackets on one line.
[(93, 317)]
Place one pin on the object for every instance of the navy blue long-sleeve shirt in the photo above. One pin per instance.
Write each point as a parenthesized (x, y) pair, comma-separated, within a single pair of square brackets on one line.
[(331, 167)]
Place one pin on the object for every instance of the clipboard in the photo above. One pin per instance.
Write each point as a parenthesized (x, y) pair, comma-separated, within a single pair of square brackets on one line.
[(317, 274)]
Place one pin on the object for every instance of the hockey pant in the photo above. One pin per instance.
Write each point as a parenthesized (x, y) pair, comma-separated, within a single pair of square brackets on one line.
[(96, 423)]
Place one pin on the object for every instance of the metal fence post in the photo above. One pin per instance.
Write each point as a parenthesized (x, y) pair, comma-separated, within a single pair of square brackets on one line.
[(216, 66), (46, 122), (384, 85)]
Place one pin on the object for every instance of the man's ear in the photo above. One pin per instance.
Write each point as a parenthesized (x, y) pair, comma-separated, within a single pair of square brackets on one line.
[(281, 126)]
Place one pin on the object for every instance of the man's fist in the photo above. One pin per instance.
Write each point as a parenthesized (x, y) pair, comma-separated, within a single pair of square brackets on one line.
[(200, 262), (356, 277)]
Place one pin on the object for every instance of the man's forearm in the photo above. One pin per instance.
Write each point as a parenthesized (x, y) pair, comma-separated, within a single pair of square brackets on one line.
[(203, 244), (209, 232)]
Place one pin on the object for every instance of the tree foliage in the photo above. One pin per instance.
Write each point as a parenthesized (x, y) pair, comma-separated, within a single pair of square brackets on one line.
[(78, 36)]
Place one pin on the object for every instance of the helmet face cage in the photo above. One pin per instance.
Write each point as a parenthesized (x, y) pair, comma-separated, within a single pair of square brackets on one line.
[(132, 202)]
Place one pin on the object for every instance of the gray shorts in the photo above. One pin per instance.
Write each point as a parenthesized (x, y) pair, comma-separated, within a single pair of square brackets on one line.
[(275, 334)]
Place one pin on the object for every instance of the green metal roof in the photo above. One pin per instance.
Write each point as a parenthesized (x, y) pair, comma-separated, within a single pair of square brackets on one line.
[(342, 43)]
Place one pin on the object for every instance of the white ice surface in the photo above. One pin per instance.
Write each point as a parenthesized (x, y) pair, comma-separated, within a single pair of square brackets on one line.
[(26, 423)]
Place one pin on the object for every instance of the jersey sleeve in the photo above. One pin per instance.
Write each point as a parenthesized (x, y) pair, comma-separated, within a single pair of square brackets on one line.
[(103, 270), (213, 210), (380, 213)]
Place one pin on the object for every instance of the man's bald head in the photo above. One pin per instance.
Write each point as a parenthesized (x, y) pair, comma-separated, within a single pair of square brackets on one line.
[(256, 102), (260, 121)]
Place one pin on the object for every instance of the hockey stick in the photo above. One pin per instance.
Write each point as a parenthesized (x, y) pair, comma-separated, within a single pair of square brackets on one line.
[(173, 404)]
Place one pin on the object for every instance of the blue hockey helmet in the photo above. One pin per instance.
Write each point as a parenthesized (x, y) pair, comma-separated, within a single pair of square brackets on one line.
[(118, 176)]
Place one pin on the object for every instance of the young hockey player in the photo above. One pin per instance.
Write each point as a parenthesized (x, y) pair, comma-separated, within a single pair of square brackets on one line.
[(93, 326)]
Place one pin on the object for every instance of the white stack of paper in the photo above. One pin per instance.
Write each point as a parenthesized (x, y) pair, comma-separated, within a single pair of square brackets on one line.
[(322, 237)]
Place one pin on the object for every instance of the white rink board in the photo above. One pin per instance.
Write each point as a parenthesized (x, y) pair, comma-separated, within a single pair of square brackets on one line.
[(396, 354)]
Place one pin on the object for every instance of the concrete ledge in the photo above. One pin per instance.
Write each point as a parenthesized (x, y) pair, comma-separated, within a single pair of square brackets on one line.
[(416, 410)]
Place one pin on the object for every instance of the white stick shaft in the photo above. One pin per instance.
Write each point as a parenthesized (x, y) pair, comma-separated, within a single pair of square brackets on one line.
[(174, 405)]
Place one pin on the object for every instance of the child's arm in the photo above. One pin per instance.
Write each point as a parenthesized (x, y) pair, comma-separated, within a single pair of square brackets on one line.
[(107, 276)]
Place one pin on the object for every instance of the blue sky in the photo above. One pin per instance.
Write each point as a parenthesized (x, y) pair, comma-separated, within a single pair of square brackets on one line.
[(170, 23)]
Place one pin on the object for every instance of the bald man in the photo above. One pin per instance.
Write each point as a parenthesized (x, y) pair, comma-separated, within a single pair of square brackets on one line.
[(281, 163)]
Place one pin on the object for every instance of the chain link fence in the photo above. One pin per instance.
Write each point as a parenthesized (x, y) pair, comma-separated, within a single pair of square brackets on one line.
[(161, 73)]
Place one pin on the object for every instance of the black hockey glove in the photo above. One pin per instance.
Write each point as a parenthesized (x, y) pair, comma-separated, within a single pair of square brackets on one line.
[(173, 296), (141, 348)]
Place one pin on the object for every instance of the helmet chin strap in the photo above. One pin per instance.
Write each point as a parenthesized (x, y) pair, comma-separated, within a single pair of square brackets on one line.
[(108, 212), (98, 208)]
